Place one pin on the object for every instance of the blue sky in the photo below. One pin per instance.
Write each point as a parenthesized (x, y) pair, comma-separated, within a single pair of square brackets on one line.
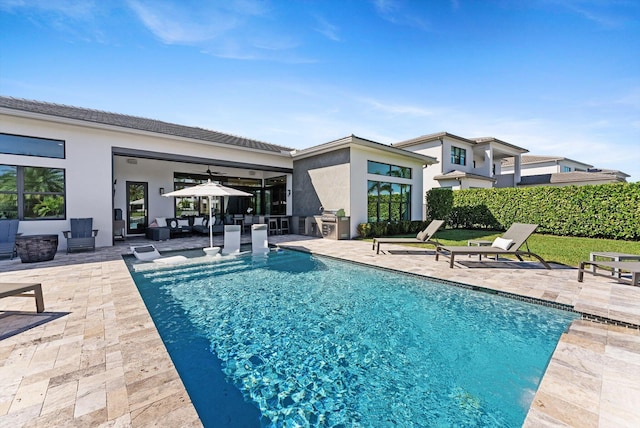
[(557, 77)]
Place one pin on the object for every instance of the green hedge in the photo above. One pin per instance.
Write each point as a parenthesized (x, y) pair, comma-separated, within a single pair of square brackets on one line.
[(594, 211), (383, 228)]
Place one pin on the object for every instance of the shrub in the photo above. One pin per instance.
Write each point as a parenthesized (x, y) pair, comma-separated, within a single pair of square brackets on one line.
[(595, 211)]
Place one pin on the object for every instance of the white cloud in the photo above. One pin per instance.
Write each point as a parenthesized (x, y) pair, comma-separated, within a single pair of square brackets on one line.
[(327, 29), (174, 24), (396, 13)]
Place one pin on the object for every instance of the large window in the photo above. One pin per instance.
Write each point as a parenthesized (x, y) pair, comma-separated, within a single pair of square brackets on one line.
[(31, 146), (388, 201), (458, 156), (32, 193), (388, 170)]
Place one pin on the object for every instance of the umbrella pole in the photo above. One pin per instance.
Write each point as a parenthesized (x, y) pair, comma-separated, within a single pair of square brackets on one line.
[(210, 223)]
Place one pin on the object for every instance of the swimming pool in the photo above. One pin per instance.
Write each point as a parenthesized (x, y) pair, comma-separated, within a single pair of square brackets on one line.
[(293, 339)]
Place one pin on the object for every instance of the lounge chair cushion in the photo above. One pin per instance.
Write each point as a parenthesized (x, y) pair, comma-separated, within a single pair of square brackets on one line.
[(502, 243)]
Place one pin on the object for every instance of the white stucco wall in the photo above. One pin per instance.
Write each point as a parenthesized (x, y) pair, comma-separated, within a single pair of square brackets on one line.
[(360, 177), (88, 168), (87, 174)]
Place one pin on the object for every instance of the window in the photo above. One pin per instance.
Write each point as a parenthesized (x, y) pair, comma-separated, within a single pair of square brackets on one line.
[(388, 170), (32, 193), (566, 169), (31, 146), (458, 156), (388, 201)]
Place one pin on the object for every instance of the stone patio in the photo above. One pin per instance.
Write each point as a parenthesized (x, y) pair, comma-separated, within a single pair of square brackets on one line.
[(94, 357)]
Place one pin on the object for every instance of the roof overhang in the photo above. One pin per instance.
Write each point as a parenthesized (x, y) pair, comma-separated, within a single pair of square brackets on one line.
[(354, 141), (461, 175)]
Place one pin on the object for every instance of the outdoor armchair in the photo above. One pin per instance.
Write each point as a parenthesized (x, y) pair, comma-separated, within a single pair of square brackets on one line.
[(82, 235), (8, 233), (509, 244)]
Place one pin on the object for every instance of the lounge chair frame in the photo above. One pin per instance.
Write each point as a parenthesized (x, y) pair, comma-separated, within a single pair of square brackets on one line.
[(631, 267), (17, 289), (428, 232), (518, 232)]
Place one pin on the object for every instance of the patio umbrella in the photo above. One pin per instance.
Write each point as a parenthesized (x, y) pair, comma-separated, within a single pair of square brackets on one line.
[(210, 190)]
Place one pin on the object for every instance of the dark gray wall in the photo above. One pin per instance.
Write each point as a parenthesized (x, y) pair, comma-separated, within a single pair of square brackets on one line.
[(305, 198)]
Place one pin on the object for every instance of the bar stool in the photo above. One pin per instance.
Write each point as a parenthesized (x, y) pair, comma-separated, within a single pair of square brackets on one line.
[(273, 227), (284, 225)]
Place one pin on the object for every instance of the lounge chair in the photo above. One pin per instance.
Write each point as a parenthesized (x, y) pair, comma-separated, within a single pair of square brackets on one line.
[(8, 232), (259, 239), (82, 236), (149, 253), (8, 289), (617, 267), (509, 244), (231, 239), (423, 237)]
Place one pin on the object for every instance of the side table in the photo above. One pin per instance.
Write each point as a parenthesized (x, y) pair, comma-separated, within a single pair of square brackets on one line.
[(479, 243)]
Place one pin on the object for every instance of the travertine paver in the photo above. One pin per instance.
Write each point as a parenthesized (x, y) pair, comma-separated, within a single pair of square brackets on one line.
[(96, 359)]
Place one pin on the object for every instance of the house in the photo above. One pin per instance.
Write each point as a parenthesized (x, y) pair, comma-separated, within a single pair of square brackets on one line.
[(59, 162), (560, 171), (464, 163), (370, 181)]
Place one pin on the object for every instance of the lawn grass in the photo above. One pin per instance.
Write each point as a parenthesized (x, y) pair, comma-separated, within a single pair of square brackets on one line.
[(565, 250)]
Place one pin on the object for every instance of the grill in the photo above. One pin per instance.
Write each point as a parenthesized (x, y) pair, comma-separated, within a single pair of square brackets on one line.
[(334, 227)]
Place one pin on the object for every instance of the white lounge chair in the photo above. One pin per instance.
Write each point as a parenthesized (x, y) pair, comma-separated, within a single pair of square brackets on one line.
[(231, 239), (509, 244), (259, 239), (149, 253)]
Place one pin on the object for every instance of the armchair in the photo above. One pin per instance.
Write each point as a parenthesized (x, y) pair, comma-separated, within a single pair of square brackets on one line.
[(8, 232), (82, 236)]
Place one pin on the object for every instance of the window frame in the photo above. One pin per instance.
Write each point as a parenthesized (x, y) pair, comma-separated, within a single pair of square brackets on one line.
[(380, 198), (22, 193), (42, 140), (392, 170), (458, 156)]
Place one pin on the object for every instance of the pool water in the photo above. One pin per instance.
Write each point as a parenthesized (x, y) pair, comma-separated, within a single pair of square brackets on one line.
[(292, 339)]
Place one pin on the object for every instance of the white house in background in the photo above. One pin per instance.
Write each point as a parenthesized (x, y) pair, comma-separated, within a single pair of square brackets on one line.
[(465, 163), (560, 171), (99, 164)]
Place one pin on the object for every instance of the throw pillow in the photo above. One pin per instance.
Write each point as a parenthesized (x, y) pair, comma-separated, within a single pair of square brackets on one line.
[(198, 221), (161, 221), (173, 223), (421, 235), (183, 222), (153, 224), (502, 243)]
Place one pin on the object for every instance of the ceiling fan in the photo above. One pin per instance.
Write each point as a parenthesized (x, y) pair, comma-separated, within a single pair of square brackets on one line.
[(212, 173)]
